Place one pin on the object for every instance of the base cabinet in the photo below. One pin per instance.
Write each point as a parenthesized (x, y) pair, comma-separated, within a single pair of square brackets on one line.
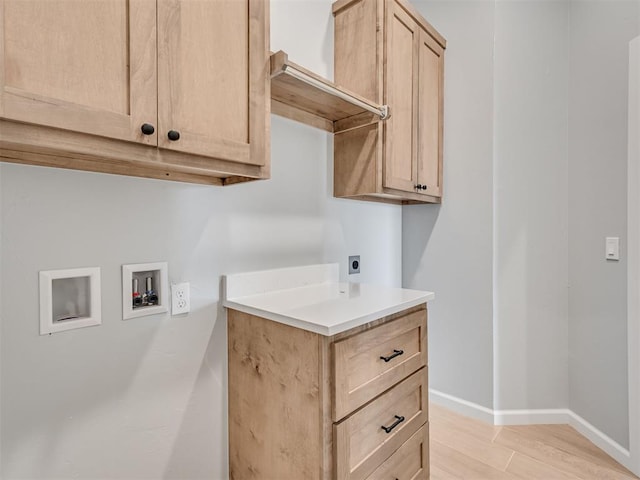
[(385, 50), (349, 407)]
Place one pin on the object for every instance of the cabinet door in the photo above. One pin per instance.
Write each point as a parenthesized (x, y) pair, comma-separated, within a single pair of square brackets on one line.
[(212, 78), (399, 165), (430, 109), (82, 66)]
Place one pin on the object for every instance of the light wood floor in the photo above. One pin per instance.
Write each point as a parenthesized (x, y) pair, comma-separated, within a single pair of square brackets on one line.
[(463, 448)]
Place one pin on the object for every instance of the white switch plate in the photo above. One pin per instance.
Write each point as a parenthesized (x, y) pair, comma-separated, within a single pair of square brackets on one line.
[(612, 251), (180, 298)]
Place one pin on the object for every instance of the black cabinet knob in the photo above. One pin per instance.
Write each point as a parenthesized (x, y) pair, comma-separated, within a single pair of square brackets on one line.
[(147, 129), (424, 187), (173, 135), (420, 187)]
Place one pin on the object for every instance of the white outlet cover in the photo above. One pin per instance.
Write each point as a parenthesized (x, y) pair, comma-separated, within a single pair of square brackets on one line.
[(180, 298), (159, 271)]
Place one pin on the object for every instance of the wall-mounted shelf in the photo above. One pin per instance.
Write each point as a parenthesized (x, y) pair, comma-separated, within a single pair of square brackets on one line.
[(303, 96)]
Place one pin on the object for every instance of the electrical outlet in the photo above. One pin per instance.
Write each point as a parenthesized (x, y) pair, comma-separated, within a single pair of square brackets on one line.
[(180, 298), (354, 264)]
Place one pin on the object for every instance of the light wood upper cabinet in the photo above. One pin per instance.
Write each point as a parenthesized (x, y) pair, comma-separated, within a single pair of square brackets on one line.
[(83, 66), (430, 114), (78, 80), (209, 88), (385, 49), (400, 169)]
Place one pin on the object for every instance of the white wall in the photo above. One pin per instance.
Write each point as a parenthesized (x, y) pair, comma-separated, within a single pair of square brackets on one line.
[(530, 205), (633, 252), (1, 316), (505, 202), (600, 32), (146, 398), (536, 203), (448, 248)]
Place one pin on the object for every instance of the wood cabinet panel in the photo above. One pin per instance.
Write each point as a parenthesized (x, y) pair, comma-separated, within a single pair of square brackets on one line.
[(355, 161), (356, 36), (400, 170), (281, 402), (82, 66), (204, 77), (407, 65), (361, 443), (361, 373), (409, 462), (78, 74), (93, 72), (275, 400), (430, 111)]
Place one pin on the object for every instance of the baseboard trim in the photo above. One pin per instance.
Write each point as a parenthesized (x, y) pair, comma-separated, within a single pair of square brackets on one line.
[(463, 407), (601, 440), (534, 417), (542, 416)]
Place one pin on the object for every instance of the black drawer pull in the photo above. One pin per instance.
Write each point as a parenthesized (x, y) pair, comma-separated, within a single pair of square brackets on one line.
[(396, 353), (398, 421)]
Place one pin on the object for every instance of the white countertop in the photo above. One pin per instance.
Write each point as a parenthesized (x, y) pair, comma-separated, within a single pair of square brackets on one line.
[(313, 299)]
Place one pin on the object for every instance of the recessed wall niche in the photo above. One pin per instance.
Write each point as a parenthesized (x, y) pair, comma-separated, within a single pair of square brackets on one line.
[(144, 289), (69, 299)]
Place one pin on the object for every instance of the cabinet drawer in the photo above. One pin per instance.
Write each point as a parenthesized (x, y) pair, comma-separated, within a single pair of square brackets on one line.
[(361, 442), (409, 462), (361, 372)]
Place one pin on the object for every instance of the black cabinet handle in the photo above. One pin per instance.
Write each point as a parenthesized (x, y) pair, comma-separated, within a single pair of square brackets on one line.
[(420, 187), (396, 353), (173, 135), (398, 421), (147, 129)]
